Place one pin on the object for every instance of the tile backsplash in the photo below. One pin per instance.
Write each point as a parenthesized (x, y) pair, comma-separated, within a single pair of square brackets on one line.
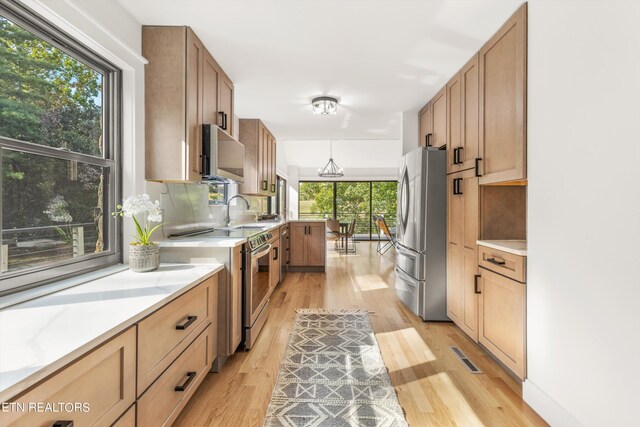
[(185, 207)]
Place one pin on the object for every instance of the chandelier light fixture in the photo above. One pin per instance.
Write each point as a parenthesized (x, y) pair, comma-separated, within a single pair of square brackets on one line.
[(331, 170), (324, 105)]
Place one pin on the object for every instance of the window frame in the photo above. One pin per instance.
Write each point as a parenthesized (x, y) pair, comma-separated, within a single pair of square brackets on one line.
[(16, 281), (335, 183)]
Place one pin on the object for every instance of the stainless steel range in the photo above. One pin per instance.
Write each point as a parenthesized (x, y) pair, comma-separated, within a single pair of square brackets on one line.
[(257, 280)]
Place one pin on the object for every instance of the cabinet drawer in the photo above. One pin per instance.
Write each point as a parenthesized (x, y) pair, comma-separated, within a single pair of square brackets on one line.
[(504, 263), (103, 378), (162, 403), (167, 332)]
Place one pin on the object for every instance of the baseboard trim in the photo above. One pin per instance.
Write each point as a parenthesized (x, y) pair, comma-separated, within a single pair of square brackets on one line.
[(552, 412)]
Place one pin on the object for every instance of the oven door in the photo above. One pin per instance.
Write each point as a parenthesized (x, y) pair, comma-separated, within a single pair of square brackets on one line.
[(258, 283)]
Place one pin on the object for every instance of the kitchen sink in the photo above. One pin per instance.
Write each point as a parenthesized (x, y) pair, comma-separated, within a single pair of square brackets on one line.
[(249, 227)]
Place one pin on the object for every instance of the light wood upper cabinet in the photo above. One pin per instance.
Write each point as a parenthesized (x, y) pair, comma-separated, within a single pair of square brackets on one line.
[(425, 119), (308, 245), (439, 123), (470, 115), (259, 158), (225, 113), (462, 266), (462, 118), (454, 121), (502, 73), (184, 89)]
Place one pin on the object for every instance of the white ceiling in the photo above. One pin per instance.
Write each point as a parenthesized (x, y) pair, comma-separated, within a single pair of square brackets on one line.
[(379, 57)]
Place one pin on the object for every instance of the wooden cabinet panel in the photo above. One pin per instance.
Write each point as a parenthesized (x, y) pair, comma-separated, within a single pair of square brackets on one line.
[(297, 244), (274, 265), (194, 70), (316, 244), (502, 68), (502, 320), (470, 117), (128, 419), (260, 158), (235, 317), (210, 84), (439, 105), (104, 378), (225, 91), (425, 124), (454, 123), (161, 404), (167, 332), (165, 128), (462, 234), (505, 263)]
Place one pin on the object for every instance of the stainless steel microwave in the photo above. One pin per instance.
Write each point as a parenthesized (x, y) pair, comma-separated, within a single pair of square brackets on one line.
[(222, 156)]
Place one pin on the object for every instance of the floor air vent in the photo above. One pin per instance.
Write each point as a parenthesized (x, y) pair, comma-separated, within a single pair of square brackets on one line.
[(465, 360)]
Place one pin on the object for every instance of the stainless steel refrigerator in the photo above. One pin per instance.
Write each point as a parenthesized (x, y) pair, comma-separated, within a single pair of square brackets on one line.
[(421, 232)]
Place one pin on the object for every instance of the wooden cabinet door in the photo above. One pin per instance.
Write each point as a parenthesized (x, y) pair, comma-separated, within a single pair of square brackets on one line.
[(454, 123), (425, 119), (297, 244), (455, 297), (502, 320), (274, 265), (225, 91), (194, 71), (210, 83), (270, 169), (264, 160), (235, 316), (316, 244), (502, 67), (439, 105), (469, 110), (462, 265), (273, 166)]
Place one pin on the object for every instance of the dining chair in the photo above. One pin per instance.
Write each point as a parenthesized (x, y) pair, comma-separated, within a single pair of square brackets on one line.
[(333, 231), (388, 234)]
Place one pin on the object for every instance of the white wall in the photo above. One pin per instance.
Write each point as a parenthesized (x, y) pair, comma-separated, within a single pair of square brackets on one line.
[(584, 212), (106, 28), (410, 130)]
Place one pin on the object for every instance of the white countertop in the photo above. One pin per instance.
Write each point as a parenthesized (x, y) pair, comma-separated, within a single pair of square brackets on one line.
[(208, 241), (516, 247), (40, 336)]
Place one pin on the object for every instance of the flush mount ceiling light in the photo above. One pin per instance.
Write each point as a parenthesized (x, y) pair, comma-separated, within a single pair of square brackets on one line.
[(331, 170), (324, 105)]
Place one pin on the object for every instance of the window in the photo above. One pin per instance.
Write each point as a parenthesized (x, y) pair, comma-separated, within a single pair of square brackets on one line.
[(59, 130), (347, 200), (218, 193)]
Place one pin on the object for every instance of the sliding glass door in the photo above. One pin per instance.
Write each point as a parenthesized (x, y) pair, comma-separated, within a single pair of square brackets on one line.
[(349, 200)]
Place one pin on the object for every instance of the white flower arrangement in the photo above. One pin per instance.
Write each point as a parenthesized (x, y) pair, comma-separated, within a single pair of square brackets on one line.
[(141, 204)]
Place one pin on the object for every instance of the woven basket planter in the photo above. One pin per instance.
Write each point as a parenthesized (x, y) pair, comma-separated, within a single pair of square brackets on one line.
[(144, 257)]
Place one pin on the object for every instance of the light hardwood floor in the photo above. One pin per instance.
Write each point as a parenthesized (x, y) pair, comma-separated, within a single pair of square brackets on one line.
[(433, 387)]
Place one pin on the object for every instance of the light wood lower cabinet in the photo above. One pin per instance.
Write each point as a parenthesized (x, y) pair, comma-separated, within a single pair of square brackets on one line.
[(103, 378), (502, 320), (162, 403), (462, 265), (169, 352), (308, 245), (166, 333)]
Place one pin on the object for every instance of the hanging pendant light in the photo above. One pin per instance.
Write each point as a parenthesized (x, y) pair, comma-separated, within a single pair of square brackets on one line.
[(331, 170)]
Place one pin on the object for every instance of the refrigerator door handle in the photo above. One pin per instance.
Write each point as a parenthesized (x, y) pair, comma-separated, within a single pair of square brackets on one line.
[(404, 200), (406, 278)]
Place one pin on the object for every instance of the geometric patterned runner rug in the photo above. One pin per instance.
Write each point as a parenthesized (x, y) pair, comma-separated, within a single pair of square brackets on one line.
[(332, 375)]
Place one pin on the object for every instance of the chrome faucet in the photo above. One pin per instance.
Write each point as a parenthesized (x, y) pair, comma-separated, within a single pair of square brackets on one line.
[(227, 219)]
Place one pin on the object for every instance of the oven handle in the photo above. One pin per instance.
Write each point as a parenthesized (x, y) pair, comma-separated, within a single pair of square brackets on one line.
[(261, 252)]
